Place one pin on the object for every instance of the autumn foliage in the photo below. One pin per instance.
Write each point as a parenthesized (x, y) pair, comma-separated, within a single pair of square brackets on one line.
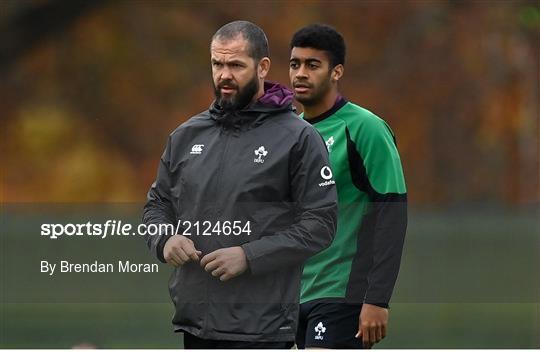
[(87, 108)]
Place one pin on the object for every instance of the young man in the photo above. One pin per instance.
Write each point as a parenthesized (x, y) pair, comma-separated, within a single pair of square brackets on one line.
[(243, 181), (346, 288)]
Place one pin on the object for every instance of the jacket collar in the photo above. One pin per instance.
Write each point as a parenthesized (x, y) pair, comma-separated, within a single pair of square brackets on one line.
[(276, 98), (340, 102)]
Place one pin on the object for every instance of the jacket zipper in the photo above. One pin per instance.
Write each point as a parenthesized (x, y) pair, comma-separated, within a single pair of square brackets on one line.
[(217, 211), (216, 214)]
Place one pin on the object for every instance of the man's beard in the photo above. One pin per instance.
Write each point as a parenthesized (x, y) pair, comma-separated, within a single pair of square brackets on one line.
[(316, 96), (242, 98)]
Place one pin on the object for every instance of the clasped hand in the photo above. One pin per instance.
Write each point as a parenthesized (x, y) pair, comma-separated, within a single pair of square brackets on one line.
[(225, 263)]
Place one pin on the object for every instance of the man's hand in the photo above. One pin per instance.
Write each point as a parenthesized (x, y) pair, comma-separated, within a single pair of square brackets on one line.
[(225, 263), (179, 250), (372, 324)]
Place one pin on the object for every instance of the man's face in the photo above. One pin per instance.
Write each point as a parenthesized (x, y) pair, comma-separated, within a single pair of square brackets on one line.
[(234, 73), (310, 75)]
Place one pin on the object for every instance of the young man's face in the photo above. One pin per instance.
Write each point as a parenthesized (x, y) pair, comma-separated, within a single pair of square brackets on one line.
[(310, 75), (234, 73)]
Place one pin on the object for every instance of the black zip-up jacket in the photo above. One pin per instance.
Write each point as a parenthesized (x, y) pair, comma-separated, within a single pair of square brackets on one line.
[(263, 166)]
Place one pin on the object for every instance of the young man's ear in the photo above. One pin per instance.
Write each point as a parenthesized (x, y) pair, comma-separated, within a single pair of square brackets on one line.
[(337, 72), (263, 67)]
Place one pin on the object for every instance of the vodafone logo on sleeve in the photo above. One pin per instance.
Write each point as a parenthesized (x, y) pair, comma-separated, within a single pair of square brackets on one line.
[(326, 174)]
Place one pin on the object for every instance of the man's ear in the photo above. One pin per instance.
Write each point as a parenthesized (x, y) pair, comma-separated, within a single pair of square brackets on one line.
[(263, 68), (337, 72)]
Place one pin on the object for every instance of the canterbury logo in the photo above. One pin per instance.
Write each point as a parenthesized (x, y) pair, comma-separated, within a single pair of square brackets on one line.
[(197, 149)]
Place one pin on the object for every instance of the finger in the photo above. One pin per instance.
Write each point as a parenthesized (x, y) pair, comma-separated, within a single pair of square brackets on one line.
[(359, 333), (365, 336), (383, 330), (174, 256), (181, 254), (373, 334), (191, 252), (378, 333), (228, 274), (225, 277), (212, 266), (216, 273), (177, 258), (208, 258), (174, 260)]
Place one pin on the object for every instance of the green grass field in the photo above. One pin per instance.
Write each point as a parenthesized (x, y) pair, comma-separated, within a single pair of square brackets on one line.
[(147, 326)]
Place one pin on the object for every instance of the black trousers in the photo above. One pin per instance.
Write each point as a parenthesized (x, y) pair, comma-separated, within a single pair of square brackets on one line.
[(193, 342)]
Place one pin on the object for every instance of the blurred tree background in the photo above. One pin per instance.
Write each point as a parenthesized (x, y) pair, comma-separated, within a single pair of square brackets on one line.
[(89, 90)]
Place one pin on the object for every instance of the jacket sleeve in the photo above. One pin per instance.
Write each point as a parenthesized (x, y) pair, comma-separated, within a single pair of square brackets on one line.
[(376, 169), (315, 198), (159, 207)]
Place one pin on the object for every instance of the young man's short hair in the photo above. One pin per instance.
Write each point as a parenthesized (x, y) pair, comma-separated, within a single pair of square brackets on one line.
[(321, 37)]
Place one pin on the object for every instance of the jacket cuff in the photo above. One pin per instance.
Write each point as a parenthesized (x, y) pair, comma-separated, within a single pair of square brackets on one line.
[(378, 304), (160, 246), (252, 261)]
